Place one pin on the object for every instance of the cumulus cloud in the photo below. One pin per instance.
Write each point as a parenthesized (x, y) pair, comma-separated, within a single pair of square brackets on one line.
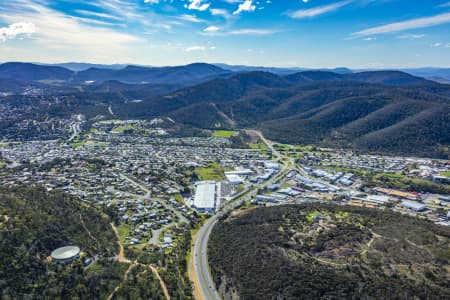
[(64, 35), (247, 5), (197, 5), (16, 30), (211, 29)]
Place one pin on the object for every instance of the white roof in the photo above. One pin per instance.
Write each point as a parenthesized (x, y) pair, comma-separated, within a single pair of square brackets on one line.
[(64, 253), (377, 198), (234, 178), (205, 195), (413, 204)]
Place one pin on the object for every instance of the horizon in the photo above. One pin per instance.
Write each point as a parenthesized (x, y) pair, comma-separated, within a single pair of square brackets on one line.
[(218, 64), (363, 34)]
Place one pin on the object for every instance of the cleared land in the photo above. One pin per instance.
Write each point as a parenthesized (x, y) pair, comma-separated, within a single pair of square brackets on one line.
[(224, 133)]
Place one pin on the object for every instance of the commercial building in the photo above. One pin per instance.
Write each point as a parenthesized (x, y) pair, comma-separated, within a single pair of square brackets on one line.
[(205, 196), (234, 179), (395, 193), (413, 205), (243, 172), (377, 199)]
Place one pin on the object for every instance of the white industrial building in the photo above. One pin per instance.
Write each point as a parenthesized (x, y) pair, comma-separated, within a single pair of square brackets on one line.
[(205, 196), (413, 205), (242, 172), (234, 179), (377, 199)]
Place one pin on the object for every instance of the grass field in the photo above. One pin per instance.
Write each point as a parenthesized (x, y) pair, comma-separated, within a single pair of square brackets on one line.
[(124, 230), (78, 144), (120, 129), (224, 133), (446, 174), (212, 172), (258, 145)]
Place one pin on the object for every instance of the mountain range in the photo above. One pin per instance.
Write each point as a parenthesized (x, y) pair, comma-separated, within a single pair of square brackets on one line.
[(376, 111), (149, 74)]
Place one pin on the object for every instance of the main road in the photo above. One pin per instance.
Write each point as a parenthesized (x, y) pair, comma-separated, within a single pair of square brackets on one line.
[(204, 286)]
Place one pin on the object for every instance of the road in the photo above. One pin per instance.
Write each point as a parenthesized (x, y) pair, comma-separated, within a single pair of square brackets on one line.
[(147, 195), (204, 286), (268, 143), (75, 129)]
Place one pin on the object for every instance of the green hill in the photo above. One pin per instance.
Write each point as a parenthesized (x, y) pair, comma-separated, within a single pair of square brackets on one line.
[(33, 223), (321, 251)]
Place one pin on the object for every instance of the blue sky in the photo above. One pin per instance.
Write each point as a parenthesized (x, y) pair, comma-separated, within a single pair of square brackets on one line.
[(301, 33)]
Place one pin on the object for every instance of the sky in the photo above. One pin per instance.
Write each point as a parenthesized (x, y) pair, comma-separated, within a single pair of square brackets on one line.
[(284, 33)]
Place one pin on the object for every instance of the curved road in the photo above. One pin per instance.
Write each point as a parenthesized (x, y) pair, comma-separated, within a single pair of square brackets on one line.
[(204, 283)]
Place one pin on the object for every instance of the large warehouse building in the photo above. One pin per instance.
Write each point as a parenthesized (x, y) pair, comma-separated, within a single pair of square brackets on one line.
[(413, 205), (205, 196)]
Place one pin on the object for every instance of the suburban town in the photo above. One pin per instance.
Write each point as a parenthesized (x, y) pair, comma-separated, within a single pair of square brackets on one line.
[(157, 187)]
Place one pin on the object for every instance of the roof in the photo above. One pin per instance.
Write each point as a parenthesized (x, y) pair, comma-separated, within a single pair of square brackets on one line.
[(64, 253), (395, 192), (234, 178), (413, 205), (377, 198), (205, 195)]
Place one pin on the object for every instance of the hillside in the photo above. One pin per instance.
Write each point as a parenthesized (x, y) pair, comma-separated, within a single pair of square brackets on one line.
[(33, 223), (33, 72), (179, 75), (379, 111), (322, 251), (319, 108)]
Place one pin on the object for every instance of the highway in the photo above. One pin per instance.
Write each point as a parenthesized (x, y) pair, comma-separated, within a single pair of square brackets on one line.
[(203, 282), (200, 251)]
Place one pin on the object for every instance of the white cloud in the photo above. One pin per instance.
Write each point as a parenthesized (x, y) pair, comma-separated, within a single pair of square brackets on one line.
[(211, 29), (190, 18), (249, 31), (319, 10), (197, 5), (151, 1), (412, 36), (446, 4), (65, 35), (370, 39), (97, 14), (220, 12), (16, 30), (406, 25), (247, 5), (195, 48)]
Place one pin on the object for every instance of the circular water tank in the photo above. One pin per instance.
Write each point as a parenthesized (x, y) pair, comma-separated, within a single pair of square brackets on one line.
[(66, 253)]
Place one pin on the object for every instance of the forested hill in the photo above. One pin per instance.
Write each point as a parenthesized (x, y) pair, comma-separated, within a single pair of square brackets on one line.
[(373, 111), (378, 111), (325, 251), (33, 223)]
